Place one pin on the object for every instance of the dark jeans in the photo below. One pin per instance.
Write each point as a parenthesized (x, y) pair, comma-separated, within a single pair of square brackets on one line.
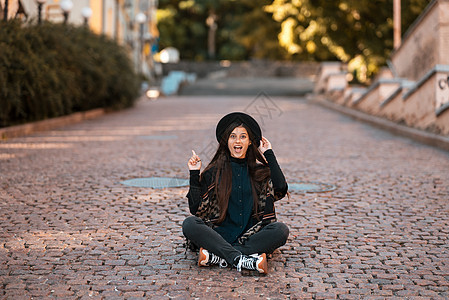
[(268, 239)]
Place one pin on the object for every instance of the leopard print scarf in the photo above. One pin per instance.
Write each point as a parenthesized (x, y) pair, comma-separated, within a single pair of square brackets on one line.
[(209, 211)]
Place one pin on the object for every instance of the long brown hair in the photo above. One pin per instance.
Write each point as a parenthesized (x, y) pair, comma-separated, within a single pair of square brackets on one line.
[(221, 162)]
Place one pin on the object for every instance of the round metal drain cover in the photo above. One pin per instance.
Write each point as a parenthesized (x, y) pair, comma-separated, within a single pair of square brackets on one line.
[(170, 182), (156, 182), (311, 187)]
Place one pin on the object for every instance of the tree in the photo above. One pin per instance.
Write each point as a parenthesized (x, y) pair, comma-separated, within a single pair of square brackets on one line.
[(244, 29), (357, 32), (181, 24), (257, 32)]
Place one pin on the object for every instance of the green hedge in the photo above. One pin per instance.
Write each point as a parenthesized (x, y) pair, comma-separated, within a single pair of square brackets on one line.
[(51, 70)]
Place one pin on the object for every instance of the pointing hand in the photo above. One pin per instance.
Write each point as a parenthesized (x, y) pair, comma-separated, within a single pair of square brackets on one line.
[(194, 162)]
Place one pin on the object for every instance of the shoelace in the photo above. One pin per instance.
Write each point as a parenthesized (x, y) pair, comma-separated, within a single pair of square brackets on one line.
[(245, 262), (218, 260)]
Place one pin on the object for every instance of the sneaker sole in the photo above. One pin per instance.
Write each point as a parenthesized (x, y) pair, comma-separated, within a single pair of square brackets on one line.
[(203, 258), (262, 265)]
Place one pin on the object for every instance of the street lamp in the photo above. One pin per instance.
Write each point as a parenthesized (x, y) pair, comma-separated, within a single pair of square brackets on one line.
[(86, 12), (141, 18), (66, 6), (396, 24), (40, 3), (211, 21)]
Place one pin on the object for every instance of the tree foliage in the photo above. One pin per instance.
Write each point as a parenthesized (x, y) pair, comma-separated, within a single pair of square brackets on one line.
[(244, 29), (358, 32)]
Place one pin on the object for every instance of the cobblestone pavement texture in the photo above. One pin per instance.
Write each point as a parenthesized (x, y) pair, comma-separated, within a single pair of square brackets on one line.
[(71, 230)]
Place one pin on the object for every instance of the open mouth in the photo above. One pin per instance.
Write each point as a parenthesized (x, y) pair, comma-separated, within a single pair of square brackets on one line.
[(238, 149)]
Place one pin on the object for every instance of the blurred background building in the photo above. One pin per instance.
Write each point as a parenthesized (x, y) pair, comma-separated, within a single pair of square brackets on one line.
[(131, 22)]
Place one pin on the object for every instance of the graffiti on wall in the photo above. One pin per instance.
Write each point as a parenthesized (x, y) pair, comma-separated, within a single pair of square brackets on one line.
[(442, 92)]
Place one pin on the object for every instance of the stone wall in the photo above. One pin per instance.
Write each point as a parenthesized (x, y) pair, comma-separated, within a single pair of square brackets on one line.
[(425, 44)]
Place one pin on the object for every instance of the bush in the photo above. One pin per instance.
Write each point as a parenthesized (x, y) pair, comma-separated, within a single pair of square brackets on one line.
[(54, 69)]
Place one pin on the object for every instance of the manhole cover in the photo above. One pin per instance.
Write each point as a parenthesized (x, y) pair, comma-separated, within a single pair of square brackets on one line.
[(311, 187), (169, 182), (156, 182)]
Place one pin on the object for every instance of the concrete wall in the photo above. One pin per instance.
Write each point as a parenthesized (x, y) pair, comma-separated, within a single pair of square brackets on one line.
[(371, 102), (419, 107), (441, 124), (394, 109), (425, 44), (418, 93)]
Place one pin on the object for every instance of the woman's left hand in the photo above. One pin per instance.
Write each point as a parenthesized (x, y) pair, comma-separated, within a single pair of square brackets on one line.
[(264, 145)]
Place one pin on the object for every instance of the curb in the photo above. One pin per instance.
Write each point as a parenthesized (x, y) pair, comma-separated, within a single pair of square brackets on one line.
[(26, 129), (421, 136)]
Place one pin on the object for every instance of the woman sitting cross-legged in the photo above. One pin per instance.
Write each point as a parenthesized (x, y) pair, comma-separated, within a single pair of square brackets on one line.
[(232, 200)]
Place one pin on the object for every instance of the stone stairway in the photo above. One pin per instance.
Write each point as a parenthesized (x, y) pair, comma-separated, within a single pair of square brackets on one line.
[(414, 89)]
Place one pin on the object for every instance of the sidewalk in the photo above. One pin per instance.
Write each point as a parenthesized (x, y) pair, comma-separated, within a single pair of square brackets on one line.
[(71, 230)]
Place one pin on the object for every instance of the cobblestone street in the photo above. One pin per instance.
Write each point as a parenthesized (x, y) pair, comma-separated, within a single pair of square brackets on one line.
[(70, 229)]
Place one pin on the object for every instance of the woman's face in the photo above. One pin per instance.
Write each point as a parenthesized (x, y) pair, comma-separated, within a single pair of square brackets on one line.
[(238, 142)]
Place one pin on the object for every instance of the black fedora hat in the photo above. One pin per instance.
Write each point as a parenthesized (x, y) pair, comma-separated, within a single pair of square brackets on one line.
[(241, 118)]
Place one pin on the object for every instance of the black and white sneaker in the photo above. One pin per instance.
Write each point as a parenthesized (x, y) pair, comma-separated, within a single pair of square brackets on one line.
[(206, 259), (253, 262)]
